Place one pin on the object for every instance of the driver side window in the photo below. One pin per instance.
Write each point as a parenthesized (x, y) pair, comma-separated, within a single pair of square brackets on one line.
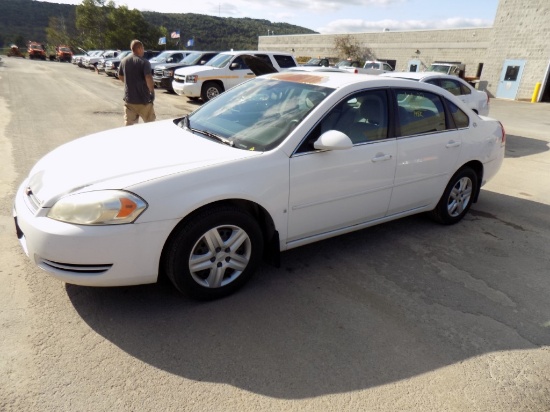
[(240, 64), (363, 117)]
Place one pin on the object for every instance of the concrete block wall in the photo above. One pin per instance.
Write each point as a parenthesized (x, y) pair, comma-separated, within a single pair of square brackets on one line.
[(469, 46), (521, 30)]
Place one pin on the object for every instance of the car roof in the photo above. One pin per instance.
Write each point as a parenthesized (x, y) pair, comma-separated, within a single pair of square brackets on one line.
[(315, 69), (341, 79), (234, 52), (420, 75)]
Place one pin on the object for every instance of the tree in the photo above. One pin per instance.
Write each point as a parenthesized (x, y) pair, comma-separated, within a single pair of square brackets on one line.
[(347, 47), (57, 32), (92, 21), (124, 26)]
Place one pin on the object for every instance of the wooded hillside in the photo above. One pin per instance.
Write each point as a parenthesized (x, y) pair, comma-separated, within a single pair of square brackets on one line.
[(23, 20)]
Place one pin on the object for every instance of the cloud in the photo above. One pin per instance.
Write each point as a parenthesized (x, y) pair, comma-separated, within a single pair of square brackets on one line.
[(360, 26), (324, 6)]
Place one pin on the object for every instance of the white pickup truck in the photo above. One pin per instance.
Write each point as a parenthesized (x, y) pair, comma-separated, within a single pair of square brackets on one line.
[(223, 72), (370, 67)]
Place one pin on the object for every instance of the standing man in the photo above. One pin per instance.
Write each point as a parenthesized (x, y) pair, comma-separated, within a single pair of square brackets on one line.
[(139, 88)]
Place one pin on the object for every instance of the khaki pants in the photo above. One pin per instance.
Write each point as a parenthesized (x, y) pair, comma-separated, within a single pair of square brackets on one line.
[(132, 113)]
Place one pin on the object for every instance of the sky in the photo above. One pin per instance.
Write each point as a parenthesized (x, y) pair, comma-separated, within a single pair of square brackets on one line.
[(332, 16)]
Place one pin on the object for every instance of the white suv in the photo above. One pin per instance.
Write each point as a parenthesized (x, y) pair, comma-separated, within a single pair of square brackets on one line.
[(222, 72)]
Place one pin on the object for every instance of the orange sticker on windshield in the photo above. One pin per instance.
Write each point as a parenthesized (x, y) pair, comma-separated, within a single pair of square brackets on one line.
[(300, 78)]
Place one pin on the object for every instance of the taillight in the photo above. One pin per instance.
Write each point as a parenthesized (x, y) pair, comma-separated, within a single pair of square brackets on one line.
[(503, 138), (356, 71)]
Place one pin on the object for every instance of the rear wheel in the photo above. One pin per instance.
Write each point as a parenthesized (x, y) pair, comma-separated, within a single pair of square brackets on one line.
[(214, 253), (457, 198), (210, 90)]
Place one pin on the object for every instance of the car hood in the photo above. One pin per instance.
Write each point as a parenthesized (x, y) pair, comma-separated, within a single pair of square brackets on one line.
[(195, 69), (119, 158), (173, 65)]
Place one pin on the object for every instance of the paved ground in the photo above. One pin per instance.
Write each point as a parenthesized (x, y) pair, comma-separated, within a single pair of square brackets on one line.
[(408, 315)]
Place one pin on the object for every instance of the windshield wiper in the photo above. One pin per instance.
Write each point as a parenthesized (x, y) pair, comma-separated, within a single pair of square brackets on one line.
[(213, 136)]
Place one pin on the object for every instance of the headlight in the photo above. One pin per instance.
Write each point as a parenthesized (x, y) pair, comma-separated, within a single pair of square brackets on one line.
[(168, 73), (192, 78), (105, 207)]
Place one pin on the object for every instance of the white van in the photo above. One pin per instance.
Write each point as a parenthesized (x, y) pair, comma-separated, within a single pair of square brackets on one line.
[(222, 72)]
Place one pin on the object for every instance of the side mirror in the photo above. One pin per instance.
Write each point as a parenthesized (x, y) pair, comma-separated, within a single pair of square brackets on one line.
[(333, 140), (203, 62), (235, 66), (169, 60)]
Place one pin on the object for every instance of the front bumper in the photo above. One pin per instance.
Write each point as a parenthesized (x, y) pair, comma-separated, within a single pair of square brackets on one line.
[(187, 89), (163, 83), (112, 255)]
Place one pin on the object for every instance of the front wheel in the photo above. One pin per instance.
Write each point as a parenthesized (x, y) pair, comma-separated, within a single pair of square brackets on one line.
[(214, 253), (210, 90), (457, 198)]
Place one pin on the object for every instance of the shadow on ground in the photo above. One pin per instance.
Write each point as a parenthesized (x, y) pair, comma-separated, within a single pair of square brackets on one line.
[(353, 312)]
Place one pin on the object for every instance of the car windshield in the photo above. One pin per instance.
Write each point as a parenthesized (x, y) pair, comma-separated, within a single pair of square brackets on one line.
[(258, 114), (371, 66), (343, 63), (161, 57), (65, 49), (124, 54), (220, 60), (438, 68), (313, 62), (192, 59)]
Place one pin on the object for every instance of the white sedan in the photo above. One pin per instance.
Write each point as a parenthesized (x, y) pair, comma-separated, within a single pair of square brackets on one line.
[(277, 162), (477, 100)]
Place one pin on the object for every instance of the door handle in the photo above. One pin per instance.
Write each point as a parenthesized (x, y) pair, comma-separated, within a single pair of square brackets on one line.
[(452, 143), (381, 158)]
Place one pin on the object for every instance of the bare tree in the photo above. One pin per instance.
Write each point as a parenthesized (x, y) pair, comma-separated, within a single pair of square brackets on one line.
[(348, 47)]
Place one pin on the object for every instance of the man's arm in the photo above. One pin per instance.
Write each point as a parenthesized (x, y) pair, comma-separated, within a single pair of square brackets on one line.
[(150, 83)]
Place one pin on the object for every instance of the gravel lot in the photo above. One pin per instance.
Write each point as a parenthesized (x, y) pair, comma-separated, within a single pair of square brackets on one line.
[(405, 316)]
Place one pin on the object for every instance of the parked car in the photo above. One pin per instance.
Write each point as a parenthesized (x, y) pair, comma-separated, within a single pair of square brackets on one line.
[(63, 53), (168, 56), (476, 100), (91, 62), (317, 62), (103, 63), (277, 162), (163, 74), (36, 51), (348, 63), (15, 52), (224, 71), (79, 58)]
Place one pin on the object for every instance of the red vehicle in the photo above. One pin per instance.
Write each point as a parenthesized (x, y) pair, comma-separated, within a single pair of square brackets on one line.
[(14, 52), (36, 51), (63, 53)]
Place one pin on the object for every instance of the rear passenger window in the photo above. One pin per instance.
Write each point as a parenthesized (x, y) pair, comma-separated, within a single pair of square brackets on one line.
[(419, 112), (465, 89), (265, 58), (451, 86), (284, 62), (460, 118)]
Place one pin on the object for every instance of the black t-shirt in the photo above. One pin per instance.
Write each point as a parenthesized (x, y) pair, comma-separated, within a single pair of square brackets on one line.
[(134, 69)]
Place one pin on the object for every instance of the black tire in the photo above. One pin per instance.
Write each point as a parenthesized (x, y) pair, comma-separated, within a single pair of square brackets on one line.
[(210, 90), (457, 198), (226, 245)]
